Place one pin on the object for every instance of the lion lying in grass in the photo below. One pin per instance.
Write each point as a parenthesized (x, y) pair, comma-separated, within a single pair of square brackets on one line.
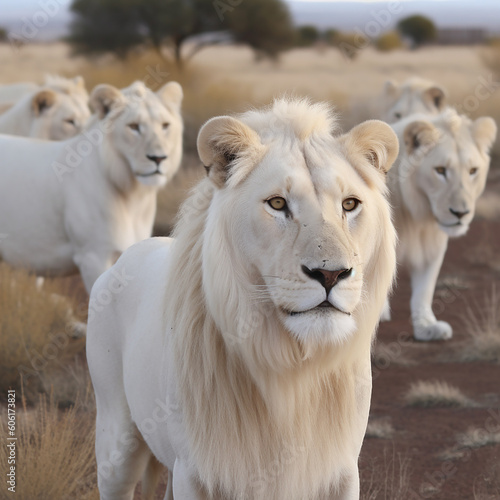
[(238, 355)]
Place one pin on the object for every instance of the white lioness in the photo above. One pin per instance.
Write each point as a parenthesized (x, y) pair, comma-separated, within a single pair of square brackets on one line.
[(13, 92), (77, 204), (416, 95), (440, 173), (56, 111), (249, 345)]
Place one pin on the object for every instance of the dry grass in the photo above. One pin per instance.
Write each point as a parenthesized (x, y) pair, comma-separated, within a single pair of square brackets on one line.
[(472, 439), (477, 438), (380, 428), (491, 57), (55, 453), (34, 331), (228, 79), (387, 480), (436, 393), (203, 98), (482, 325)]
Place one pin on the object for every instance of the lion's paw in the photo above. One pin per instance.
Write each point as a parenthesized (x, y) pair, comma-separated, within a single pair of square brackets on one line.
[(436, 331)]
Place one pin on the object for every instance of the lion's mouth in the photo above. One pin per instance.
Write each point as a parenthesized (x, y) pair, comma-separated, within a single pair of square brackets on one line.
[(150, 174), (324, 308), (449, 225)]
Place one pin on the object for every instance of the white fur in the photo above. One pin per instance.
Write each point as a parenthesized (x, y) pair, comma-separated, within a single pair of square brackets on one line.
[(63, 115), (77, 204), (415, 95), (10, 94), (422, 199), (215, 358)]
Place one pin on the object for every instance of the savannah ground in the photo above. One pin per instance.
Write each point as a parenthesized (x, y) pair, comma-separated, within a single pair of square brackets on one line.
[(434, 429)]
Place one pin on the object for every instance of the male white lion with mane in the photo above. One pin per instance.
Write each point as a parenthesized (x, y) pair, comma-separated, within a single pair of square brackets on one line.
[(238, 354), (440, 173)]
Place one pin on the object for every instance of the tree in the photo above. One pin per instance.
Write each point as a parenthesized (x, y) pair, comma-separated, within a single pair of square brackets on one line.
[(265, 25), (3, 35), (307, 36), (419, 29), (121, 25)]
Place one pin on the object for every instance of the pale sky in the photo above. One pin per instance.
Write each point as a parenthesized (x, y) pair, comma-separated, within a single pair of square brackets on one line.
[(455, 13)]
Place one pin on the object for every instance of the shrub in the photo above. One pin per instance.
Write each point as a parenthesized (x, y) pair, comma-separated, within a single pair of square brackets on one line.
[(389, 41)]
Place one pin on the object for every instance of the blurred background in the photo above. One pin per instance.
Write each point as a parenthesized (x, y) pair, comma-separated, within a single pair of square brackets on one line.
[(230, 55)]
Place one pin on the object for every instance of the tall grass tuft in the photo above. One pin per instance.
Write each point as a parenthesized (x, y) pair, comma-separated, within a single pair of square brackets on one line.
[(483, 328), (386, 479), (55, 453), (436, 393), (35, 331)]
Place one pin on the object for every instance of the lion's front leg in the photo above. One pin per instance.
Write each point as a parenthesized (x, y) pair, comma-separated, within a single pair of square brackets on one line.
[(185, 486), (423, 282), (350, 489)]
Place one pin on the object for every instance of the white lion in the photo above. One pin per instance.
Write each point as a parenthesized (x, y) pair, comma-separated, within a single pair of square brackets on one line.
[(56, 110), (416, 95), (238, 354), (440, 173), (11, 93), (77, 204)]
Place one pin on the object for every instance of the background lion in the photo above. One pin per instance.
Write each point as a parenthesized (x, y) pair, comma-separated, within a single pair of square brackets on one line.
[(76, 205), (415, 95), (56, 110), (250, 344), (440, 173)]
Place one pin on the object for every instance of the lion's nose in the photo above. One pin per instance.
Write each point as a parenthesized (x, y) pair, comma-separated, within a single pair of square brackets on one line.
[(328, 279), (156, 159), (457, 214)]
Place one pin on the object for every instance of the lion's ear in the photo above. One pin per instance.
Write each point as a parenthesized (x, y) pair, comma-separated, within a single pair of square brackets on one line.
[(104, 98), (228, 149), (435, 97), (484, 132), (376, 141), (171, 94), (43, 100), (79, 81), (391, 88), (419, 134)]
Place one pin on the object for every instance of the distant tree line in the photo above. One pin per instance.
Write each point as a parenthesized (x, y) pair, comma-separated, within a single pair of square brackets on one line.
[(178, 29), (177, 26)]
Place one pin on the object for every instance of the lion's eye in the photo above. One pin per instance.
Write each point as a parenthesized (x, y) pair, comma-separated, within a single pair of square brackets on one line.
[(165, 125), (397, 116), (277, 203), (134, 127), (70, 121), (441, 171), (350, 204), (473, 170)]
